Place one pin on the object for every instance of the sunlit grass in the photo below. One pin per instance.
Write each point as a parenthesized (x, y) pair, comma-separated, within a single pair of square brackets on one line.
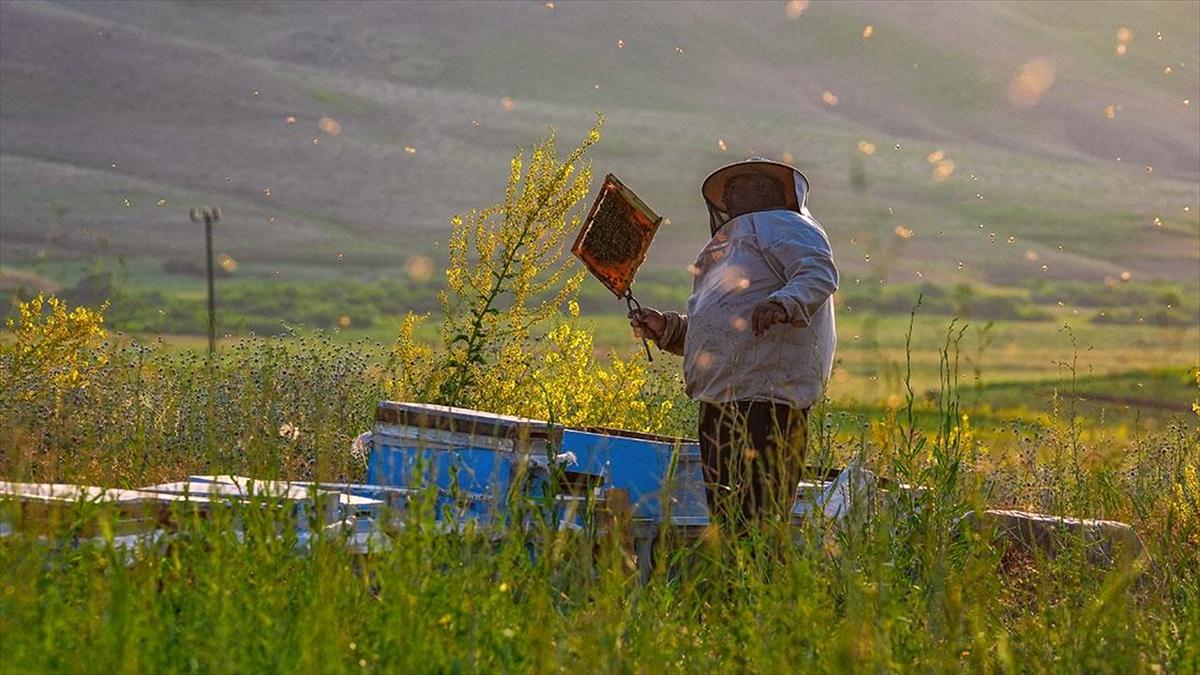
[(892, 592)]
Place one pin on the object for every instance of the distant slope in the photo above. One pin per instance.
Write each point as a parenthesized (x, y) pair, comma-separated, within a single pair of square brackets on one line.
[(189, 102)]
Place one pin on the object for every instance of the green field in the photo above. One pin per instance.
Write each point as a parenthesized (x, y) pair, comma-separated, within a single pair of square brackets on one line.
[(896, 591)]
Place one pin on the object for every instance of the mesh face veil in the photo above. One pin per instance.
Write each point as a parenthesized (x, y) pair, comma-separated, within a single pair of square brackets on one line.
[(795, 187)]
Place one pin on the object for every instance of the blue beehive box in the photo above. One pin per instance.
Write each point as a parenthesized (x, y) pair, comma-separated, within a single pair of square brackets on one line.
[(663, 475), (471, 457), (474, 452), (414, 445)]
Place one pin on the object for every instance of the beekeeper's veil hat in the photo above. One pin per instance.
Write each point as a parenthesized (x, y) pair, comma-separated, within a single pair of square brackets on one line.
[(795, 186)]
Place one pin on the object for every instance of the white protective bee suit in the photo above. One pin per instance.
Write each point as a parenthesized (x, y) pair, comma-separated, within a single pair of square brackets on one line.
[(781, 255)]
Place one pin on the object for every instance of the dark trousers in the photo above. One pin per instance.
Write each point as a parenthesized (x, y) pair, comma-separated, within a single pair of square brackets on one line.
[(753, 454)]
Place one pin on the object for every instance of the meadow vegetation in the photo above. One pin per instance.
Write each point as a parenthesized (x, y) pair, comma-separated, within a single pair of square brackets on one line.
[(894, 589), (255, 305)]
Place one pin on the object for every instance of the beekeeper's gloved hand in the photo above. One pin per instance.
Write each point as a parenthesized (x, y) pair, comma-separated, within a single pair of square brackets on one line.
[(647, 323), (767, 314)]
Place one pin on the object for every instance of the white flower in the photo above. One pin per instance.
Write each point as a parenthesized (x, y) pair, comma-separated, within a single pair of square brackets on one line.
[(289, 431)]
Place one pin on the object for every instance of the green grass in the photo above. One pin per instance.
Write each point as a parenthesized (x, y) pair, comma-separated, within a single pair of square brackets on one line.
[(894, 592), (1026, 342)]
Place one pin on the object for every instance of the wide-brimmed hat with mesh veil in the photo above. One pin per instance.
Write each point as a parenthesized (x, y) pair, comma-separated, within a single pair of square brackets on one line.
[(795, 186)]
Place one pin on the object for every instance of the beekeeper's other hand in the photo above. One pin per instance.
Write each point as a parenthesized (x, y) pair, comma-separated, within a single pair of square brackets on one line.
[(647, 323), (767, 314)]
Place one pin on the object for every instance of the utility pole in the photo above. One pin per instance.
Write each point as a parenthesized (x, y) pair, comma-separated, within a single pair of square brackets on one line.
[(210, 215)]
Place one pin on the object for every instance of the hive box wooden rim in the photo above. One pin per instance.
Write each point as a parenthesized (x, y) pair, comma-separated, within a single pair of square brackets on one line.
[(467, 421)]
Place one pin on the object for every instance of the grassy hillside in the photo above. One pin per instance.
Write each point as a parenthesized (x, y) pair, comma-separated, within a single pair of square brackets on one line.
[(111, 108), (117, 117)]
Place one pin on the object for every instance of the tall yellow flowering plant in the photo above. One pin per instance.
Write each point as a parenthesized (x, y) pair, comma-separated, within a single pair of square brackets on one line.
[(508, 274), (508, 271), (575, 388), (507, 344)]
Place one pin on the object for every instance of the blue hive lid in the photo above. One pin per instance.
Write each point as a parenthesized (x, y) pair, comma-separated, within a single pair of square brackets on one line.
[(466, 420)]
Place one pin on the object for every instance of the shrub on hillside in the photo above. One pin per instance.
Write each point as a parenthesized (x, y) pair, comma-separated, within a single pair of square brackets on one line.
[(963, 301)]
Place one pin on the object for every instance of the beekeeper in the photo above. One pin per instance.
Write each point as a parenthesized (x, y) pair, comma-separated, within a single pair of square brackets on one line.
[(758, 337)]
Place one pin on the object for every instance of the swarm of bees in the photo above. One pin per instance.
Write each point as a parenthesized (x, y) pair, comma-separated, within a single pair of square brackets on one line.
[(613, 238)]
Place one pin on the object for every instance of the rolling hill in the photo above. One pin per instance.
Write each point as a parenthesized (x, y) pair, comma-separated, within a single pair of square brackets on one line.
[(340, 137)]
